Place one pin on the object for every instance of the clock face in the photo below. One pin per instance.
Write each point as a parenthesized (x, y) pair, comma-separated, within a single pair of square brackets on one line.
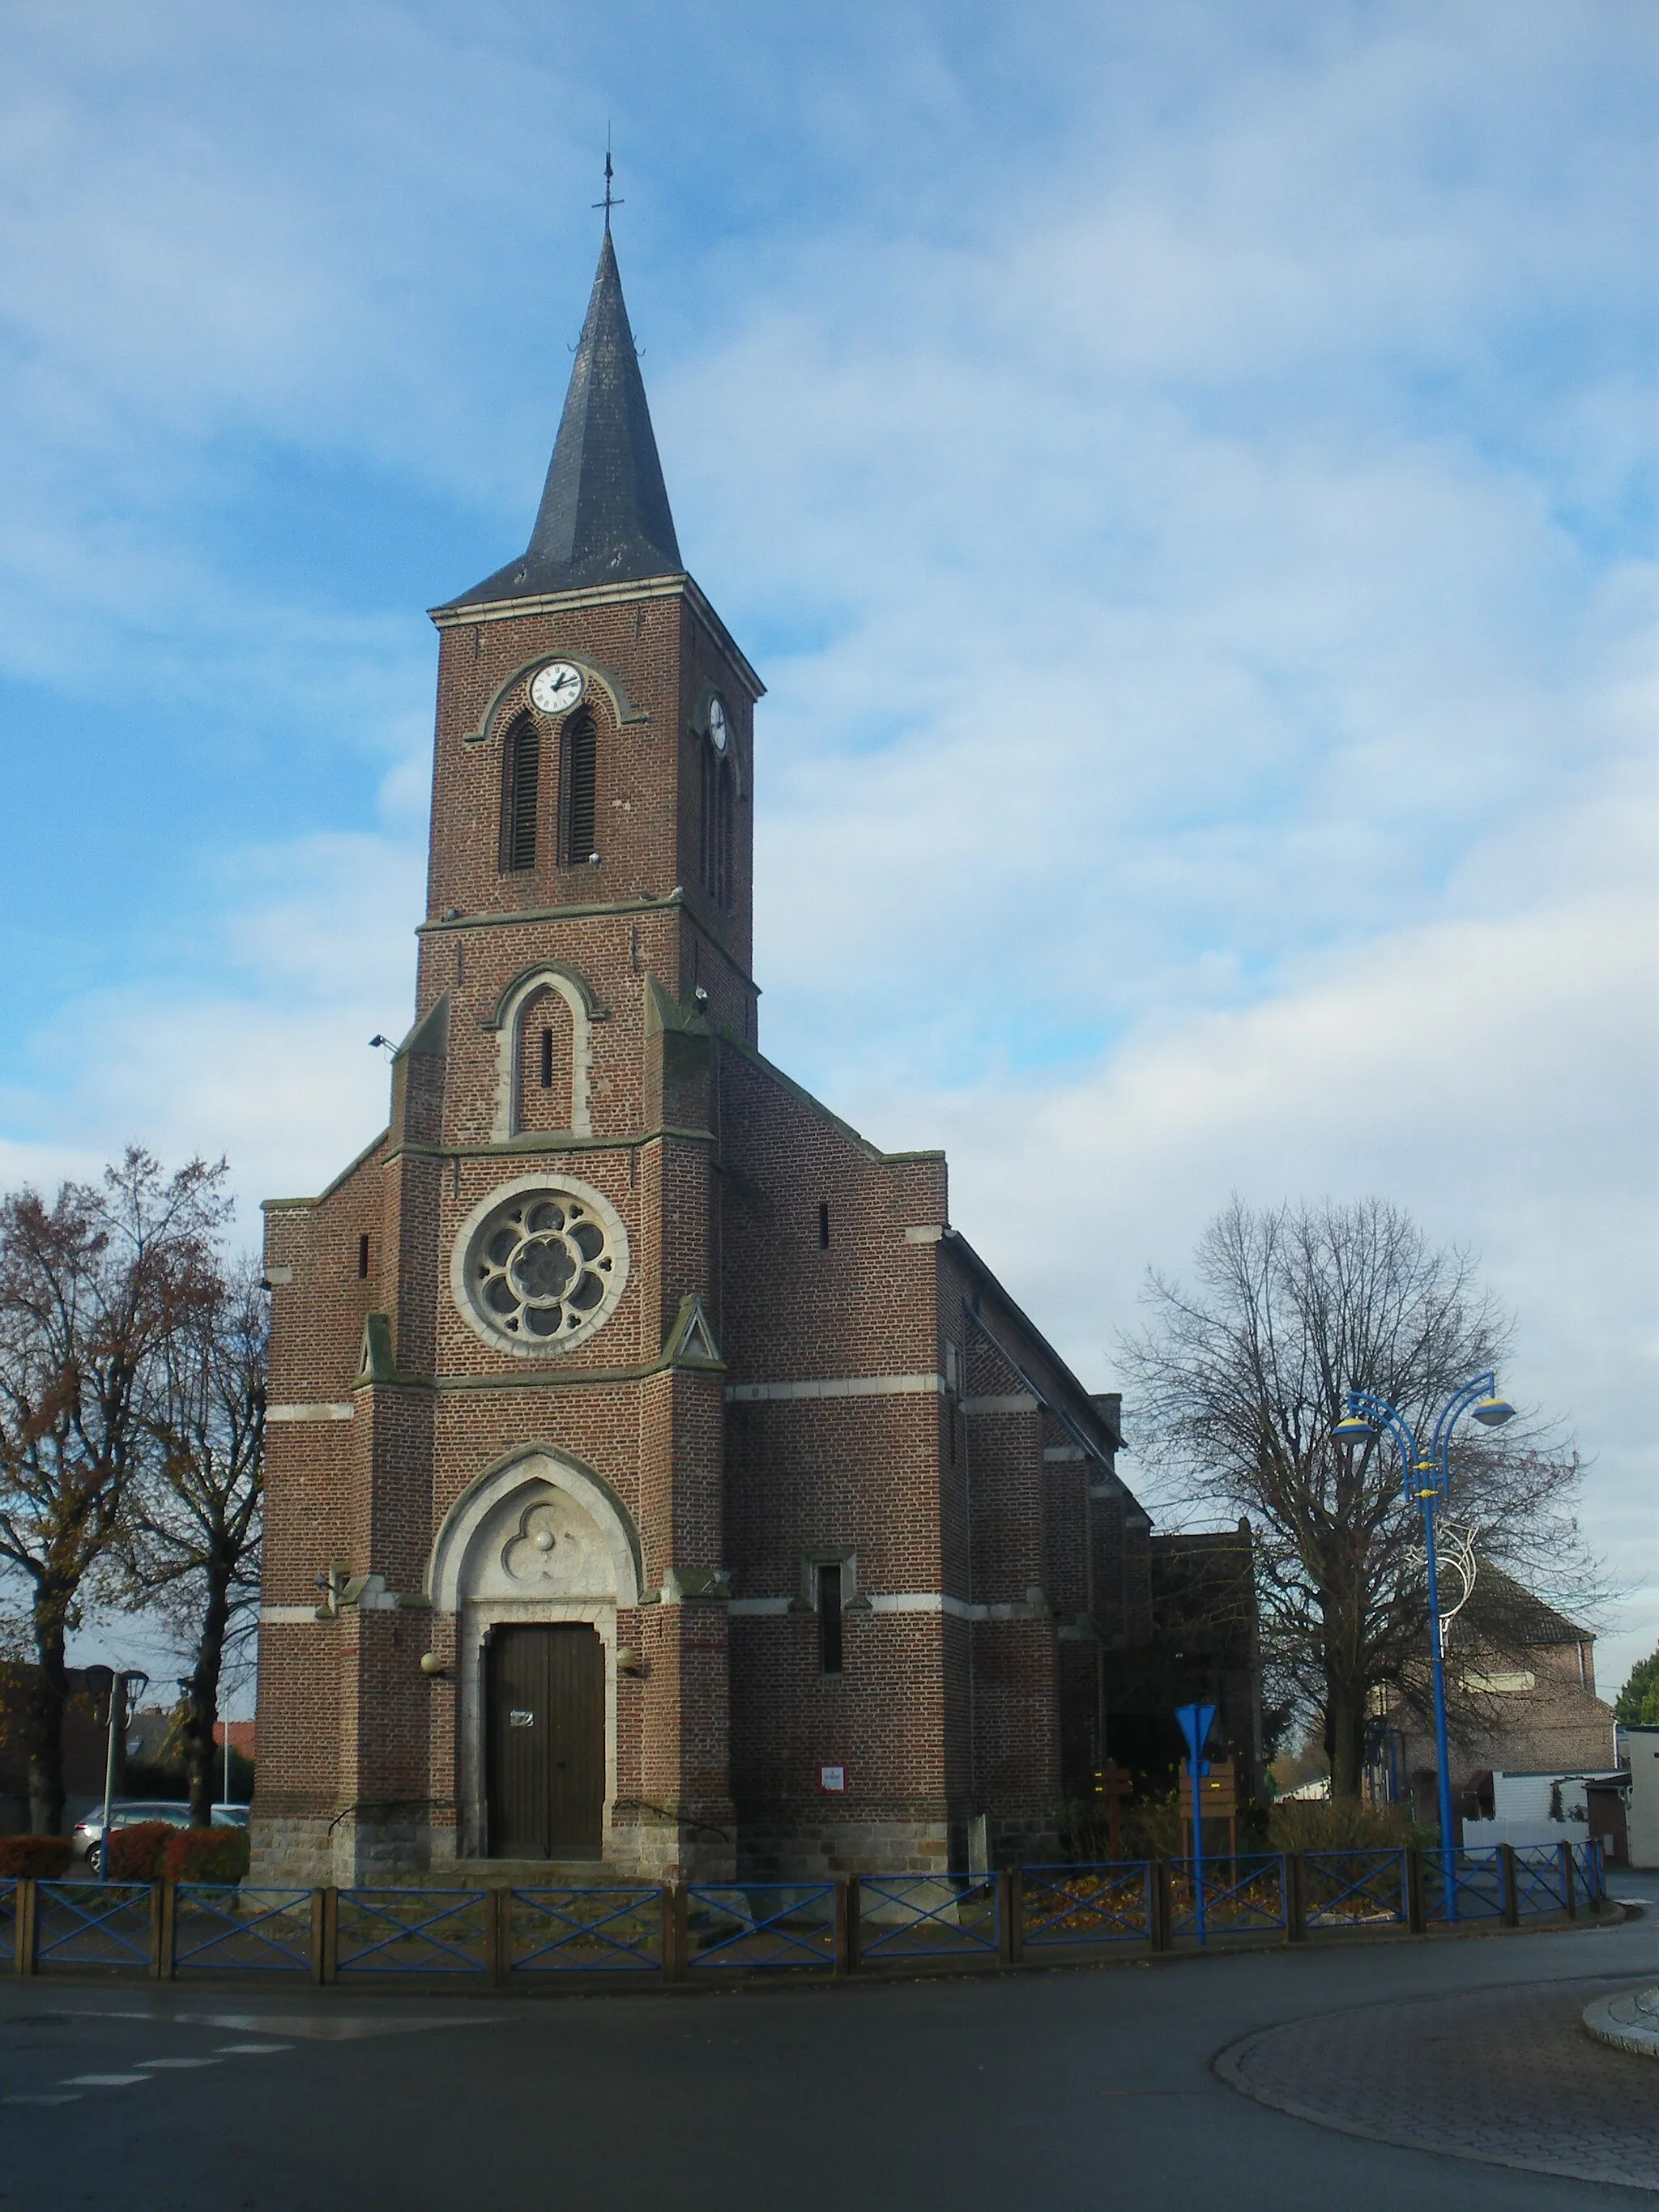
[(718, 730), (555, 688)]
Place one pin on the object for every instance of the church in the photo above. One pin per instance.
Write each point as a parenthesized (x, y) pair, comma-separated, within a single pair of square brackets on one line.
[(660, 1484)]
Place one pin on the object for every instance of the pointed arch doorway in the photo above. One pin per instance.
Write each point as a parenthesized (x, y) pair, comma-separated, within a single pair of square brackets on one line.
[(545, 1741)]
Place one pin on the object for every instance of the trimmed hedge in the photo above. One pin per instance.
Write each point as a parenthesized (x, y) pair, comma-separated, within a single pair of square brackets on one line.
[(135, 1853), (206, 1855), (35, 1858)]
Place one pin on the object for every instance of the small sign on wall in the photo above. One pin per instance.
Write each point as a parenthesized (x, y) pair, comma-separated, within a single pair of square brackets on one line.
[(833, 1779)]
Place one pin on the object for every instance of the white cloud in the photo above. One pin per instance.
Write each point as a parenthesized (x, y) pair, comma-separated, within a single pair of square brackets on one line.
[(1180, 471)]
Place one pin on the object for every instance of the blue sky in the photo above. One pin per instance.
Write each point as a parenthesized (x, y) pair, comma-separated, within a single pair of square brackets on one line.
[(1185, 475)]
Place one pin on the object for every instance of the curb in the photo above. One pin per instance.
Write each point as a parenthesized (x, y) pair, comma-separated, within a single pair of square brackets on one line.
[(1629, 2020)]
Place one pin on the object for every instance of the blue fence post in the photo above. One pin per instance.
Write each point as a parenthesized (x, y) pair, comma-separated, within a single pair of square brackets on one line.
[(1510, 1885)]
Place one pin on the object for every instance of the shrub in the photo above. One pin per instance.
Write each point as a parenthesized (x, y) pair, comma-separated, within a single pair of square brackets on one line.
[(135, 1853), (1338, 1824), (35, 1858), (207, 1854), (1152, 1828)]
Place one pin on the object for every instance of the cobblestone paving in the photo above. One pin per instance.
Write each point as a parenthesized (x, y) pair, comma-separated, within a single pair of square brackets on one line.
[(1508, 2076)]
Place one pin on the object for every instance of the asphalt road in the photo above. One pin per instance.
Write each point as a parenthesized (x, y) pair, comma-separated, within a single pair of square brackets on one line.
[(1062, 2090)]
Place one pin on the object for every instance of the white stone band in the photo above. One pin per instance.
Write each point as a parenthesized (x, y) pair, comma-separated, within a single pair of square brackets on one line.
[(851, 1385), (910, 1602)]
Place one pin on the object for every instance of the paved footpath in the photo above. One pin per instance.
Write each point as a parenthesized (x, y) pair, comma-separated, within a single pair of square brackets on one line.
[(1041, 2092), (1510, 2078)]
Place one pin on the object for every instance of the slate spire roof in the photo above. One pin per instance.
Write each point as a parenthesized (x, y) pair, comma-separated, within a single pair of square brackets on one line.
[(604, 517)]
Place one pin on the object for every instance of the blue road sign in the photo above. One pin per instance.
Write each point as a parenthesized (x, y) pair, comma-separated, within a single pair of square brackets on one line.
[(1196, 1721)]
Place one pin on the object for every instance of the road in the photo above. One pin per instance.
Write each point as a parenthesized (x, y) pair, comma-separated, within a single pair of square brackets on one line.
[(1062, 2090)]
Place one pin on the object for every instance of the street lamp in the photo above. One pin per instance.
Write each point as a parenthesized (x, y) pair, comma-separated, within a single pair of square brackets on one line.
[(1428, 1480), (125, 1683)]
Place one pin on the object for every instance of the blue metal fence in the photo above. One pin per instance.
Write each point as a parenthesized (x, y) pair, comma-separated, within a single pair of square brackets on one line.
[(223, 1927), (1243, 1895), (564, 1930), (761, 1924), (1541, 1884), (929, 1916), (1466, 1885), (203, 1929), (1106, 1903), (93, 1923), (411, 1931), (1354, 1889)]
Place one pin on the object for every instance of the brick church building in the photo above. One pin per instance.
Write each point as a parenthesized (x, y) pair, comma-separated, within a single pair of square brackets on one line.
[(658, 1480)]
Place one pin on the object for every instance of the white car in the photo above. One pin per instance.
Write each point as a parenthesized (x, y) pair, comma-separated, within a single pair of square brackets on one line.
[(129, 1811)]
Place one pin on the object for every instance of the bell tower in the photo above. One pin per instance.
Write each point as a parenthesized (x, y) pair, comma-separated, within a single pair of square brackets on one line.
[(523, 1352), (595, 719)]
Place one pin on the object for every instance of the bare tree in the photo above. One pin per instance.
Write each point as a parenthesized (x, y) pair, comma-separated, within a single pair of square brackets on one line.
[(190, 1548), (1240, 1382), (92, 1287)]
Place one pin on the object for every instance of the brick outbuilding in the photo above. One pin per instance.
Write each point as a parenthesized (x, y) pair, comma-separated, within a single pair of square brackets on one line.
[(656, 1478)]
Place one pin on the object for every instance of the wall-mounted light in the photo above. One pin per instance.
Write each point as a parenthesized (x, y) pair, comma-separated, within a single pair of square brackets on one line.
[(628, 1661), (434, 1662), (331, 1581)]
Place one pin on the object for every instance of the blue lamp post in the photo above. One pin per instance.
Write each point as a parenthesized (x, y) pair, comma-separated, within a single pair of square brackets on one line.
[(1427, 1475)]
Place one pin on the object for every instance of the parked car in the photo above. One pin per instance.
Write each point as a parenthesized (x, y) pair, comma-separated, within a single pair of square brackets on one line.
[(128, 1811)]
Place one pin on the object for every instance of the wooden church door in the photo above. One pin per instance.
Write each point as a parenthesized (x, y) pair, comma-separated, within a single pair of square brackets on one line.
[(545, 1737)]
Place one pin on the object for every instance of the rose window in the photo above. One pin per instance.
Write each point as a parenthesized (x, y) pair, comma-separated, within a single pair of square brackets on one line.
[(544, 1266)]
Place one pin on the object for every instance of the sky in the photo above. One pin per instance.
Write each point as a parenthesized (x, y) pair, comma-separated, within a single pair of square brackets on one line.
[(1185, 474)]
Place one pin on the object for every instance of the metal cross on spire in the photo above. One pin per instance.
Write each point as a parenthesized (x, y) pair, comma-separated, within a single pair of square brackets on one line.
[(610, 199)]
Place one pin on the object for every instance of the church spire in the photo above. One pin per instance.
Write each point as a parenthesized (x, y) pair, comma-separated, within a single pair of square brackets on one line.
[(604, 517)]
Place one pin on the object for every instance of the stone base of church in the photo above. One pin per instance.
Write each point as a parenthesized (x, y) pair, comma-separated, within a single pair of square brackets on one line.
[(317, 1853), (814, 1850), (313, 1852), (661, 1851)]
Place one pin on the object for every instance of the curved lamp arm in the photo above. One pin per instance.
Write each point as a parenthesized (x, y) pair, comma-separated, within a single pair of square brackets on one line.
[(1483, 1386), (1383, 1415)]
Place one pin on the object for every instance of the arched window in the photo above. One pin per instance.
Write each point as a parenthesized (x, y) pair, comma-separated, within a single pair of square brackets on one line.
[(543, 1083), (521, 775), (578, 792)]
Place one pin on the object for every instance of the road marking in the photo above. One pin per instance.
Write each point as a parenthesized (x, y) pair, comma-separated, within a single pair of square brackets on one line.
[(252, 2050), (101, 2080), (318, 2027), (154, 2065), (40, 2100)]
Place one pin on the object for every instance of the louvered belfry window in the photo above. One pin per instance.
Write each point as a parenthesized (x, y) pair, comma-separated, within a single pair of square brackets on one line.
[(521, 775), (579, 777), (723, 836), (706, 869), (718, 795)]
